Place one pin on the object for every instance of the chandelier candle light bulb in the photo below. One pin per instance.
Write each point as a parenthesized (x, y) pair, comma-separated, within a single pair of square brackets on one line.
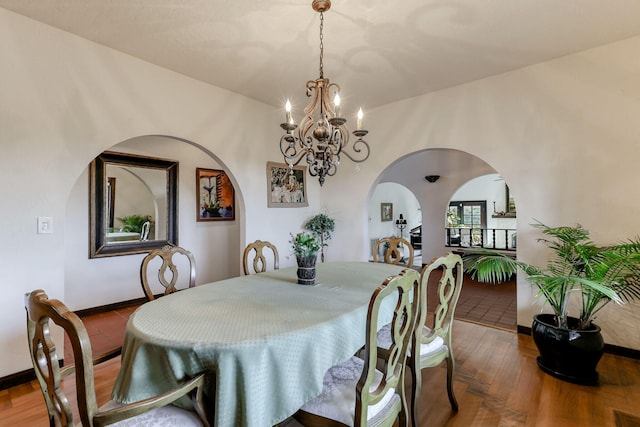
[(336, 103), (287, 109), (359, 121)]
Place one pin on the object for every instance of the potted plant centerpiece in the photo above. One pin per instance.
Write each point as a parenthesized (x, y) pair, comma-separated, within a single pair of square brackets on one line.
[(322, 226), (305, 246), (580, 276)]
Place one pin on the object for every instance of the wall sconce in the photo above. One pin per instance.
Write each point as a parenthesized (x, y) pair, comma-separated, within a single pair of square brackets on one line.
[(432, 178)]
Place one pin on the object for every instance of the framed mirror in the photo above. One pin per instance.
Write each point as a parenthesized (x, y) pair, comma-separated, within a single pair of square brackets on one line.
[(132, 204)]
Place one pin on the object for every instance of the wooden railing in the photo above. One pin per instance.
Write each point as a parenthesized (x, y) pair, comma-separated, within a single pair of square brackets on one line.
[(490, 238)]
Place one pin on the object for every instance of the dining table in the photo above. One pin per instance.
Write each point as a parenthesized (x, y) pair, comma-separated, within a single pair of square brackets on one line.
[(263, 341)]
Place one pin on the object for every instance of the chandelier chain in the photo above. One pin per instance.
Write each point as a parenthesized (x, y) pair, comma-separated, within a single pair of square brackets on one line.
[(321, 45)]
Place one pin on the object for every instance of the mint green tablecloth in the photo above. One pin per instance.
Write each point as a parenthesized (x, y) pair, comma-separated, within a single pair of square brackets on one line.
[(265, 340)]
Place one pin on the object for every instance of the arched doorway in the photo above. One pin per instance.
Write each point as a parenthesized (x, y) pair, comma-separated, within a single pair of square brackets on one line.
[(216, 245), (388, 202), (482, 214), (455, 169)]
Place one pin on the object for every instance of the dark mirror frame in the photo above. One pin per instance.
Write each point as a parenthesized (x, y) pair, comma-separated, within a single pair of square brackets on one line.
[(98, 203)]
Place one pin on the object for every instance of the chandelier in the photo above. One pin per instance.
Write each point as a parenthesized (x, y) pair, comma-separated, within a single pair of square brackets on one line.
[(322, 136)]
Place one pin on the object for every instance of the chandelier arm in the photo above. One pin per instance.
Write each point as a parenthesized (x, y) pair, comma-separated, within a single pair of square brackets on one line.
[(333, 168), (356, 149), (294, 162), (292, 155), (340, 137), (313, 169), (317, 169)]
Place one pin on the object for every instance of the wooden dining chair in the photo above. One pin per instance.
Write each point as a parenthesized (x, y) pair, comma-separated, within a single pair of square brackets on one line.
[(155, 411), (169, 255), (394, 250), (436, 342), (356, 392), (254, 253)]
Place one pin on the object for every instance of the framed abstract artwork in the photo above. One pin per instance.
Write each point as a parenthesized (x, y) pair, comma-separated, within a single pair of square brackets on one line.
[(215, 199), (286, 187)]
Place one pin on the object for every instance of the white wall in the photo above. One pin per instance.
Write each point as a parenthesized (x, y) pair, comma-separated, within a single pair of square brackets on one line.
[(64, 101), (563, 134), (403, 201)]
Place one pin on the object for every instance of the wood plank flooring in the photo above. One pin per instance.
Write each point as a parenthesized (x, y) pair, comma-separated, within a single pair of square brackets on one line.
[(497, 383)]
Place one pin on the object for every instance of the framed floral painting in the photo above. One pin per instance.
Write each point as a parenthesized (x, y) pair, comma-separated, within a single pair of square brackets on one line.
[(215, 196)]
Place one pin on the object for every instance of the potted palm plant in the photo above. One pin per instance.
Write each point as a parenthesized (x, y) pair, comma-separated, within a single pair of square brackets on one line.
[(580, 276), (305, 246)]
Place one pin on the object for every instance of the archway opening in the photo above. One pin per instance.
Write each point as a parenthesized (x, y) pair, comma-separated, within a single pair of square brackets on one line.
[(482, 214), (215, 245), (395, 211), (462, 176)]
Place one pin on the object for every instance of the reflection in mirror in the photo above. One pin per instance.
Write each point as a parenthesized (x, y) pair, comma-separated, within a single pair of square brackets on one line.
[(139, 202), (132, 204)]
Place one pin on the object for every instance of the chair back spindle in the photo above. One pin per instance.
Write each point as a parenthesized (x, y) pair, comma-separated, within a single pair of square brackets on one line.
[(403, 326), (254, 259), (167, 273), (394, 251), (44, 356)]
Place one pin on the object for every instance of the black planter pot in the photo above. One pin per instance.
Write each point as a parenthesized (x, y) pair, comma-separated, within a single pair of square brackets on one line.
[(568, 354), (307, 269)]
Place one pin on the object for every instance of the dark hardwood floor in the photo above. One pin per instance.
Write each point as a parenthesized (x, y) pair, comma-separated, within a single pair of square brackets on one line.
[(497, 383)]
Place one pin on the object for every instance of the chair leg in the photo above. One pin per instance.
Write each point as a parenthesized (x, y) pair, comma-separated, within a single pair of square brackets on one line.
[(402, 419), (416, 388), (450, 367)]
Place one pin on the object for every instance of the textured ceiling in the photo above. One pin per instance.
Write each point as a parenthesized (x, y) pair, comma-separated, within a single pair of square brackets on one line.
[(379, 51)]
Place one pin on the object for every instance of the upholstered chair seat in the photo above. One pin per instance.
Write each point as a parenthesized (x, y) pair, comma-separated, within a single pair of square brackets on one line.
[(338, 398), (431, 344), (164, 416)]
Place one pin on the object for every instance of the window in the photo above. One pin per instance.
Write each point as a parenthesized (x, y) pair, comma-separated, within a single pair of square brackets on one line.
[(471, 215)]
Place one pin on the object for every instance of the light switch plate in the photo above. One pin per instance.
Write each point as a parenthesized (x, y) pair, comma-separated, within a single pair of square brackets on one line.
[(45, 225)]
